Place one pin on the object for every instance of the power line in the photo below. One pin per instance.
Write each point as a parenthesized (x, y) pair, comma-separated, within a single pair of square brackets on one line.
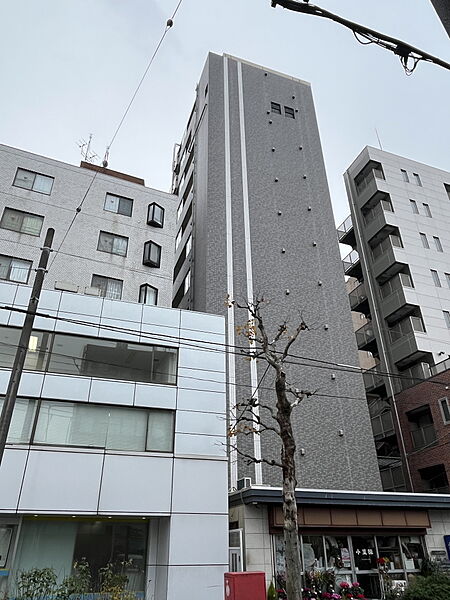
[(238, 350), (403, 50), (168, 26)]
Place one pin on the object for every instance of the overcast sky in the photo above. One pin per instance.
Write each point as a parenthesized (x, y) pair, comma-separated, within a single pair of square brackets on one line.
[(69, 68)]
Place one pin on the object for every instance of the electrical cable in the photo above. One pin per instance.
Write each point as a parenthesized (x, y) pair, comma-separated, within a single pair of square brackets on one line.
[(169, 24)]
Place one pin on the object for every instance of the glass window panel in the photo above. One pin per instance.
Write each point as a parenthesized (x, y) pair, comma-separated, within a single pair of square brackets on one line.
[(24, 179), (6, 532), (125, 206), (12, 219), (32, 224), (388, 547), (155, 254), (337, 553), (71, 424), (120, 245), (160, 430), (178, 238), (313, 553), (436, 280), (5, 263), (148, 295), (9, 339), (445, 409), (364, 553), (414, 208), (424, 239), (412, 551), (404, 175), (43, 184), (164, 364), (126, 429), (446, 314), (19, 270), (22, 420), (114, 289), (427, 209), (111, 203), (105, 242), (437, 243), (417, 180), (38, 351)]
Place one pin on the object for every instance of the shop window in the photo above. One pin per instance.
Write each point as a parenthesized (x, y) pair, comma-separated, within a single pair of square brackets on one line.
[(364, 554), (412, 552), (337, 553), (388, 547), (6, 532), (313, 552)]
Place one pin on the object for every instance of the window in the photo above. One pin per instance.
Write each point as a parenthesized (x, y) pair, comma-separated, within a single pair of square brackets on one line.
[(289, 112), (421, 426), (152, 255), (14, 269), (373, 170), (148, 294), (427, 211), (92, 357), (33, 181), (178, 238), (447, 278), (109, 287), (118, 205), (188, 245), (23, 222), (417, 180), (113, 244), (435, 276), (405, 175), (180, 209), (447, 189), (275, 108), (424, 239), (155, 215), (434, 479), (437, 243), (443, 402), (446, 314), (414, 208), (22, 420), (187, 281)]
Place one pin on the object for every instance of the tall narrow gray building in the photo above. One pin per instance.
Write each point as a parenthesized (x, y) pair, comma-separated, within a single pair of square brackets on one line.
[(255, 219)]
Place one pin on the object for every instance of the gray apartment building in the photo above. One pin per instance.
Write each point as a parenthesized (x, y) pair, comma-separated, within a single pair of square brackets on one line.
[(119, 245), (399, 229)]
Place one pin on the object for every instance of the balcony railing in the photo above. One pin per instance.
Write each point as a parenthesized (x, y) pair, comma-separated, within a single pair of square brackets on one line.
[(350, 260), (362, 183), (345, 227), (365, 335), (357, 296), (424, 436), (380, 208), (406, 326), (372, 379)]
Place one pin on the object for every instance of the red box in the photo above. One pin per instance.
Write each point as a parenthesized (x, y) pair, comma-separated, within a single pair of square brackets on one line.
[(248, 585)]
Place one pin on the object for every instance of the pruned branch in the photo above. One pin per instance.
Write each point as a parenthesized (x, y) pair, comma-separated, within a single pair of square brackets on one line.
[(252, 460)]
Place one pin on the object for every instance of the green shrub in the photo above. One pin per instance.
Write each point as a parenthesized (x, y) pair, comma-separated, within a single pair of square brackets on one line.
[(36, 584), (271, 592), (435, 587)]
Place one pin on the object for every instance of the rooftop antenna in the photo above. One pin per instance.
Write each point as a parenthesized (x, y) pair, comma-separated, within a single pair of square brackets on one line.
[(85, 148), (378, 138)]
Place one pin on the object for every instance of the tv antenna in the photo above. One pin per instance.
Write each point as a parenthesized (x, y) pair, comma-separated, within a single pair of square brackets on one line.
[(85, 147)]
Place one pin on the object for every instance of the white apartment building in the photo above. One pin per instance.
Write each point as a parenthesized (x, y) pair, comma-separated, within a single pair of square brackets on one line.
[(117, 448), (118, 234)]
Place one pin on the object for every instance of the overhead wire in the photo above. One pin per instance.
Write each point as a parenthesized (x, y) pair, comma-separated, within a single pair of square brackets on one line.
[(168, 26)]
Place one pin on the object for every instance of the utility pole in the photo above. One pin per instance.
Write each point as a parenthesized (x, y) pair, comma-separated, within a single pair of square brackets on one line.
[(21, 353)]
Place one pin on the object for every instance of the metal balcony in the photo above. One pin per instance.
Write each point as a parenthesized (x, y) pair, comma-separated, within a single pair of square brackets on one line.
[(358, 299), (365, 338), (372, 379), (352, 265), (346, 232), (401, 302)]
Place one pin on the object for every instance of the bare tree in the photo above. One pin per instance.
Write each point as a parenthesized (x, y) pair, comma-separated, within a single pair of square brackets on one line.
[(252, 416)]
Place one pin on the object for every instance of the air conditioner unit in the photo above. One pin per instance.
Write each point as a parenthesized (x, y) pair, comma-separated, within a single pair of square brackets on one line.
[(244, 482)]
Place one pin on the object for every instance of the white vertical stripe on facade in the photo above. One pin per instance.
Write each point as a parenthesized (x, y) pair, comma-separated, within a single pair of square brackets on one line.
[(230, 287), (248, 268)]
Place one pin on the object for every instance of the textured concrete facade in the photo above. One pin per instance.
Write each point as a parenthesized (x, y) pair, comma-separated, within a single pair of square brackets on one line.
[(79, 257), (262, 225)]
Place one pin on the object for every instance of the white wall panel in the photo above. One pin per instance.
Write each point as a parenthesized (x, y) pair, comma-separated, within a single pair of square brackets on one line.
[(136, 484), (200, 486), (81, 305), (201, 321), (186, 443), (123, 311), (207, 581), (11, 473), (197, 422), (66, 388), (208, 360), (198, 539), (201, 400), (61, 482), (165, 317), (111, 392), (155, 396), (31, 384)]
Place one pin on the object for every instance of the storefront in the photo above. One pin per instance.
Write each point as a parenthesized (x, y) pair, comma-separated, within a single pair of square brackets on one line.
[(344, 536)]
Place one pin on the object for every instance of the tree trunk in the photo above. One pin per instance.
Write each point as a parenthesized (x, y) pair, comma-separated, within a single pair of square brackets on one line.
[(290, 527)]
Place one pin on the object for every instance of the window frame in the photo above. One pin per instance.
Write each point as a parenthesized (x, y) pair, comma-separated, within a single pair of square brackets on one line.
[(114, 236), (414, 207), (120, 198), (11, 258), (144, 288), (436, 278), (437, 243), (405, 175), (34, 173), (146, 258), (107, 279), (446, 314), (151, 220), (427, 210), (424, 239), (441, 401), (22, 214), (289, 112), (275, 108), (417, 179)]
